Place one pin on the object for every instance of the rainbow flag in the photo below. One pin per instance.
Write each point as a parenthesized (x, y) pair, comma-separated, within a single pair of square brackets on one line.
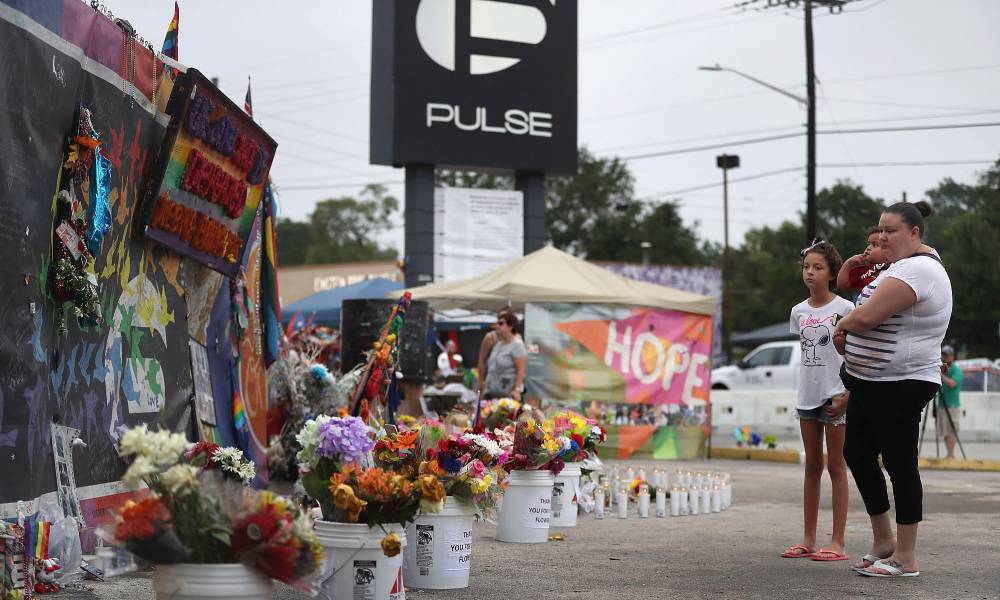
[(37, 534), (240, 423), (270, 303), (170, 40)]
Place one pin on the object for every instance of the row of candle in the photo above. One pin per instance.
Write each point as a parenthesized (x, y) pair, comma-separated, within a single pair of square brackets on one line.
[(692, 493)]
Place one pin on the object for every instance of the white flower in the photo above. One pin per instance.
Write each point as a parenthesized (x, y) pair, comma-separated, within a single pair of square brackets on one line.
[(308, 438), (247, 472), (178, 477), (134, 441), (140, 468), (167, 448), (303, 526), (486, 444), (230, 455)]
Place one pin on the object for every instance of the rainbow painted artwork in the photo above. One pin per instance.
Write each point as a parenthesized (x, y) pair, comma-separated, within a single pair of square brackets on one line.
[(209, 176)]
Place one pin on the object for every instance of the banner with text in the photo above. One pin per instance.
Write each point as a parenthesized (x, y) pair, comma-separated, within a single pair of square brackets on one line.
[(580, 352), (476, 231)]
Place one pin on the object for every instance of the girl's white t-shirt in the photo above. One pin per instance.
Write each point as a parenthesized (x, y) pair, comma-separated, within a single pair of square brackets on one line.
[(907, 345), (819, 370)]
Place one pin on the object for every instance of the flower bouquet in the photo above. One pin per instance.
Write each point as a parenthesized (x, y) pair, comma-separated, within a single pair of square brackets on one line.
[(469, 465), (499, 413), (202, 511), (535, 447), (327, 443), (398, 451), (333, 451), (379, 497), (275, 537), (584, 435)]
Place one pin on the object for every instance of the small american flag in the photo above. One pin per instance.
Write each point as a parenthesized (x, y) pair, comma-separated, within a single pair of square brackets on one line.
[(247, 104)]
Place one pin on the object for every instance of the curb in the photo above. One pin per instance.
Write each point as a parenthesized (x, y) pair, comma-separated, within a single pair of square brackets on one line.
[(782, 456), (791, 456), (958, 464)]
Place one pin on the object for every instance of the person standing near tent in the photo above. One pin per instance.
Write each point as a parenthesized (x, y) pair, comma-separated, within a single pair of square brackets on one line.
[(447, 362), (507, 362), (949, 411), (485, 347)]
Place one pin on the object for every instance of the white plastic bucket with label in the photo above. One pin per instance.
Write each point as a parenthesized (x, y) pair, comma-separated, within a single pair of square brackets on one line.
[(187, 581), (355, 566), (564, 490), (440, 550), (527, 508)]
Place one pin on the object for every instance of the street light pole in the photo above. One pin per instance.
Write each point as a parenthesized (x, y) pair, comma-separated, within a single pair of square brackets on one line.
[(810, 103), (726, 162)]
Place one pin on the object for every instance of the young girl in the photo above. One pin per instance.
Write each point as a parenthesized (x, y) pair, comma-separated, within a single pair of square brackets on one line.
[(822, 398)]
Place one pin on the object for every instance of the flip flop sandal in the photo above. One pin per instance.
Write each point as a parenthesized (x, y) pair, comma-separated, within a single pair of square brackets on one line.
[(791, 552), (828, 556), (871, 559), (890, 571)]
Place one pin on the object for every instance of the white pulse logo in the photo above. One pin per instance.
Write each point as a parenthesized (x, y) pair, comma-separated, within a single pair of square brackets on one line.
[(448, 31)]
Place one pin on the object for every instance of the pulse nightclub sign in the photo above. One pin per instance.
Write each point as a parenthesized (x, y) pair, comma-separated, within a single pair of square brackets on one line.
[(475, 83)]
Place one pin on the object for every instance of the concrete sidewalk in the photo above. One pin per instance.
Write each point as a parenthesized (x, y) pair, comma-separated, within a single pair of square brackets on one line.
[(732, 555)]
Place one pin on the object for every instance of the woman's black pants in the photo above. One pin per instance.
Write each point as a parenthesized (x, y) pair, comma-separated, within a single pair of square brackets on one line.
[(883, 417)]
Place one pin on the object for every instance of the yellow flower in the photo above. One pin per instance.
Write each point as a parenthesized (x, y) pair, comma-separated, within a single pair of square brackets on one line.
[(547, 426), (529, 427), (344, 499), (551, 445), (430, 488), (391, 545)]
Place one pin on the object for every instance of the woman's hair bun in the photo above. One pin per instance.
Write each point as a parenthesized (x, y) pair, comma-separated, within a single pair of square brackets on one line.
[(924, 207)]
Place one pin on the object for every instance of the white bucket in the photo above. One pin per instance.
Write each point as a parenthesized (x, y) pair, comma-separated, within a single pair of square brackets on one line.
[(527, 507), (187, 581), (440, 550), (355, 566), (564, 491)]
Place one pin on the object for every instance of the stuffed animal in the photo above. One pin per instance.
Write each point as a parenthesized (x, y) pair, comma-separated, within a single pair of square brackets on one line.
[(45, 575)]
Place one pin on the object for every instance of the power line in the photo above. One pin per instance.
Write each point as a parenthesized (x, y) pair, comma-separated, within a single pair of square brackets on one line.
[(312, 82), (785, 136), (612, 43), (785, 128), (358, 184), (707, 15), (916, 163), (313, 128)]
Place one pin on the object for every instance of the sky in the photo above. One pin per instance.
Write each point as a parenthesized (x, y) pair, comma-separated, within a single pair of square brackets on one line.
[(880, 64)]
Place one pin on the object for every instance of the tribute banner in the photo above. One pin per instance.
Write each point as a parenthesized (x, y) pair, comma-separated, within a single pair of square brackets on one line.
[(209, 176), (580, 352)]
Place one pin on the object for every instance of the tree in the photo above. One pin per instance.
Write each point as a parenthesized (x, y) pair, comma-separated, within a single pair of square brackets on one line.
[(594, 214), (964, 232), (339, 230), (766, 278)]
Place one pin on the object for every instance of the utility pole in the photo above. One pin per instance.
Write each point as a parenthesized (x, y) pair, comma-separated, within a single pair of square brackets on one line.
[(835, 7), (810, 129), (726, 162)]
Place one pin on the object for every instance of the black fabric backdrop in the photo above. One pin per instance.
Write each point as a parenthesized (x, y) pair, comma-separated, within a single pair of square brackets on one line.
[(84, 379)]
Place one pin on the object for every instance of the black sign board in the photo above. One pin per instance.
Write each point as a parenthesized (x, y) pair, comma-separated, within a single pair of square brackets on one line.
[(475, 83)]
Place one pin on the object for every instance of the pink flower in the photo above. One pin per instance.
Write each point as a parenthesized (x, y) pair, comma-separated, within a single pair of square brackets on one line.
[(477, 468)]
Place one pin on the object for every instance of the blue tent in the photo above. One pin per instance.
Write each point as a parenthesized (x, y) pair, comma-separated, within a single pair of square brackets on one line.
[(326, 304)]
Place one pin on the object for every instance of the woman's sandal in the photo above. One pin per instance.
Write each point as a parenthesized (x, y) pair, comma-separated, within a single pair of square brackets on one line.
[(798, 552), (891, 568)]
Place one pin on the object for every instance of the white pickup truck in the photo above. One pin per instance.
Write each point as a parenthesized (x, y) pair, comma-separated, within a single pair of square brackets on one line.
[(773, 366)]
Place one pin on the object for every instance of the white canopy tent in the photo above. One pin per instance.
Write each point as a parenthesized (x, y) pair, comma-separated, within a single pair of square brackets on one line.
[(551, 275)]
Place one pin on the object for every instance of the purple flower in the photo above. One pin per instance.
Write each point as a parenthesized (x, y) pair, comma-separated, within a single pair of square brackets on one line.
[(344, 439), (197, 116)]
